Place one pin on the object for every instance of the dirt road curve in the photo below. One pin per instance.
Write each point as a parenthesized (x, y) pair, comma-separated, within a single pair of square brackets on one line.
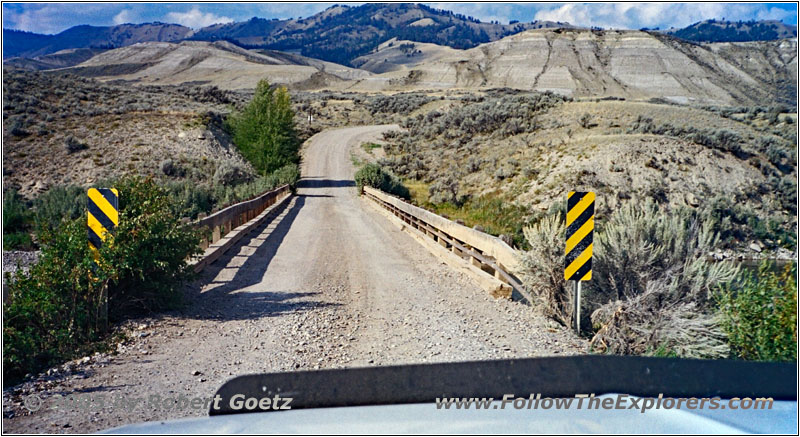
[(329, 283)]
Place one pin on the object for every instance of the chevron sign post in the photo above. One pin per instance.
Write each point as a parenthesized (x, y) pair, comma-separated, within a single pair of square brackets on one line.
[(578, 249), (102, 218)]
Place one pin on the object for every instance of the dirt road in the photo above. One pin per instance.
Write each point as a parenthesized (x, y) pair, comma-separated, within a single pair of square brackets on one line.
[(328, 283)]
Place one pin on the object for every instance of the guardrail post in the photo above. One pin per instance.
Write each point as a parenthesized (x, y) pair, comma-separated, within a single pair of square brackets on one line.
[(215, 234), (475, 262)]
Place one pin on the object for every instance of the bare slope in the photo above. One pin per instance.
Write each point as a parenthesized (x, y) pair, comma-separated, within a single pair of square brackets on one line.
[(114, 130), (220, 63), (583, 63)]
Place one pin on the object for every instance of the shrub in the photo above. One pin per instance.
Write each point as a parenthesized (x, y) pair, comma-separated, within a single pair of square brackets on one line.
[(373, 175), (72, 145), (16, 222), (759, 314), (402, 104), (170, 168), (444, 190), (188, 199), (18, 241), (722, 139), (586, 121), (543, 269), (230, 174), (264, 131), (148, 251), (53, 311), (58, 204), (288, 174), (653, 284), (15, 212)]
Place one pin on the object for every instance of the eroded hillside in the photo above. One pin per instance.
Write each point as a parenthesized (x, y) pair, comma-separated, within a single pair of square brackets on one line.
[(584, 63), (571, 62), (527, 150), (64, 130)]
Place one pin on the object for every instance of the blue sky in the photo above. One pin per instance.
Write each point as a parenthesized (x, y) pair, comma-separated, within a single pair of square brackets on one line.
[(55, 17)]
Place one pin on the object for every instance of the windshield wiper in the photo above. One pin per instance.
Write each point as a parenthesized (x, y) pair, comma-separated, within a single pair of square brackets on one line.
[(550, 376)]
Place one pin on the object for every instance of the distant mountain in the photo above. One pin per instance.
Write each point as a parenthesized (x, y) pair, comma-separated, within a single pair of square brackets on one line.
[(734, 31), (31, 45), (342, 33), (61, 59), (338, 34)]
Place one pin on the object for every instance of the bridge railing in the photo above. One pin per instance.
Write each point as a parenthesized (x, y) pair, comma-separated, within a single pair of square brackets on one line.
[(229, 225), (485, 252)]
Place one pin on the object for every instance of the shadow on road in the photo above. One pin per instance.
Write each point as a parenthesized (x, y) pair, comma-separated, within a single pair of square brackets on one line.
[(325, 183), (244, 266)]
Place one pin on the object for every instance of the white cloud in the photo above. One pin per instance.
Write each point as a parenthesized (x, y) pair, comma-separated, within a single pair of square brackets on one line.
[(664, 15), (196, 19), (123, 17), (34, 20)]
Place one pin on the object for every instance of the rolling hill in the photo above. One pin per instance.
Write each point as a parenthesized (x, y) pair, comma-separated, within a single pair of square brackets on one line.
[(30, 45), (735, 31), (219, 63)]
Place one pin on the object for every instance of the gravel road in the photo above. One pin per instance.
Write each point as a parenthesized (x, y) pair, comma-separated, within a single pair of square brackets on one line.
[(329, 283)]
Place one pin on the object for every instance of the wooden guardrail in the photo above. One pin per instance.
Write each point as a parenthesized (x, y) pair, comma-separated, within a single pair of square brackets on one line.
[(485, 253), (229, 225)]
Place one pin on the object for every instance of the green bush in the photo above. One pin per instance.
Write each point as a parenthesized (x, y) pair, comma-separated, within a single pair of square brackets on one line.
[(373, 175), (15, 212), (53, 311), (16, 221), (18, 241), (58, 204), (148, 252), (264, 131), (496, 215), (188, 199), (759, 314)]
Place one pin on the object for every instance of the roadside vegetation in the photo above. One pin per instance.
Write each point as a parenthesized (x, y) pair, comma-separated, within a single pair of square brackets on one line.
[(373, 175), (264, 130), (679, 189), (56, 310), (655, 292)]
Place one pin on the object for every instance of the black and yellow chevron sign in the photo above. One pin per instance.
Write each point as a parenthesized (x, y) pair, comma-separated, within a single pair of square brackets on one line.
[(103, 215), (580, 226)]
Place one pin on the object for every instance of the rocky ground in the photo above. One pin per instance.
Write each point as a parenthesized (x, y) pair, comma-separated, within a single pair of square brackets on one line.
[(14, 260)]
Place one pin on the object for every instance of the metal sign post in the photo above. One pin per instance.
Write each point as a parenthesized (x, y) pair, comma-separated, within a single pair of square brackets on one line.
[(578, 249), (102, 218)]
